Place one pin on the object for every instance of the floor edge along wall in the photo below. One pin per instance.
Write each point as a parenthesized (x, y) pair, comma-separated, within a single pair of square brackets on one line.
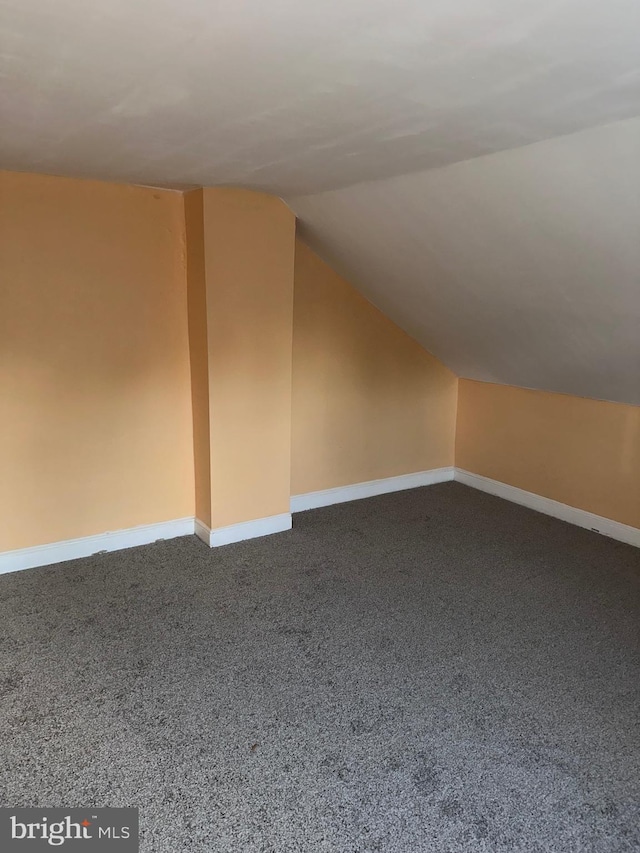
[(72, 549), (573, 515)]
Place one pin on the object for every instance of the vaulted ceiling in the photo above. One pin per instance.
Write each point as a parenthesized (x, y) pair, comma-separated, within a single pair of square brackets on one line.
[(408, 135), (521, 267)]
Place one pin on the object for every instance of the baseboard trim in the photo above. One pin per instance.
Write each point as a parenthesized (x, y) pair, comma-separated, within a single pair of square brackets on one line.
[(72, 549), (214, 537), (581, 518), (342, 494), (201, 530), (117, 540)]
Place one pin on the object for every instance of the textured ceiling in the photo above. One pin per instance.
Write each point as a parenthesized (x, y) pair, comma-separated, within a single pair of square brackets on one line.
[(295, 96), (521, 267)]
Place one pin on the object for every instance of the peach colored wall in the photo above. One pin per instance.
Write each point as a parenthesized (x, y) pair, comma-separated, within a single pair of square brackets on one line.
[(95, 429), (299, 384), (249, 251), (581, 452), (368, 401), (198, 351)]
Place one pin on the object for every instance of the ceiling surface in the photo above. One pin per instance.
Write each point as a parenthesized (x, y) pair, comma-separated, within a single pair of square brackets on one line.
[(473, 166), (294, 96), (521, 267)]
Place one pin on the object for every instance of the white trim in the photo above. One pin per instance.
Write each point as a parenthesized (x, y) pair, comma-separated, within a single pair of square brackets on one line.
[(201, 530), (71, 549), (341, 494), (117, 540), (243, 530), (579, 517)]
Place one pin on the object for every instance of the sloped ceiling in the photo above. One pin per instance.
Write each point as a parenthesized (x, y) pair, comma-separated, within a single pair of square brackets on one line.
[(300, 96), (521, 267)]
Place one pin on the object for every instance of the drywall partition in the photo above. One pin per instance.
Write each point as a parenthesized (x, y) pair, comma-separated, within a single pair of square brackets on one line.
[(95, 430), (580, 452), (240, 255), (369, 402)]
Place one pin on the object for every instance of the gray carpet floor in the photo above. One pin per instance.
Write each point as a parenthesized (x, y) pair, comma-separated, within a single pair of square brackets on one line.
[(434, 670)]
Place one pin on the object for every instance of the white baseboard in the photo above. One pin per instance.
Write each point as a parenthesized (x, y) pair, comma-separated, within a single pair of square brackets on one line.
[(117, 540), (244, 530), (71, 549), (201, 530), (341, 494), (579, 517)]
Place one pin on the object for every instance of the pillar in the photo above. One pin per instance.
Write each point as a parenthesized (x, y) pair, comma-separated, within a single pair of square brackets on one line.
[(240, 261)]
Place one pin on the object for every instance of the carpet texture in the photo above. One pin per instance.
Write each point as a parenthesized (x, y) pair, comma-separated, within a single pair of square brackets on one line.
[(434, 670)]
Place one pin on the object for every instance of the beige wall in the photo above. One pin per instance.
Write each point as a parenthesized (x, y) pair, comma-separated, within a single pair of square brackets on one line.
[(299, 384), (95, 423), (368, 401), (198, 351), (249, 250), (581, 452)]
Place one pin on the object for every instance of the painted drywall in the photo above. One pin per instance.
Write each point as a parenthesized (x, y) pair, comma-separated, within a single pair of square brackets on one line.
[(581, 452), (520, 268), (103, 399), (198, 351), (249, 256), (95, 430), (368, 402), (298, 97)]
